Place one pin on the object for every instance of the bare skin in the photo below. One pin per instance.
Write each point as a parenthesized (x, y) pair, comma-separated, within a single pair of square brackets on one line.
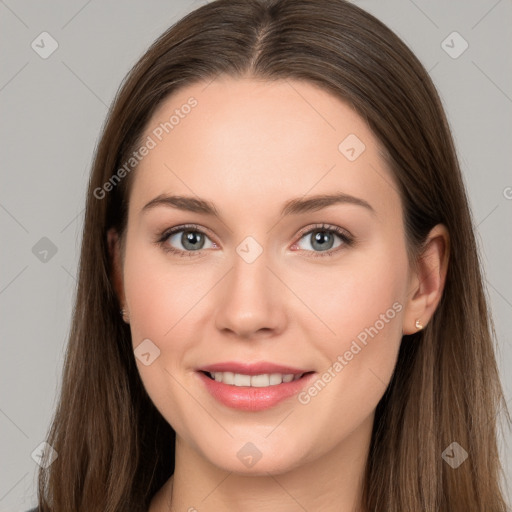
[(248, 147)]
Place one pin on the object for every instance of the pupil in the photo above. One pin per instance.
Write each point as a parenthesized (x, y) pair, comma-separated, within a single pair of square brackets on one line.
[(322, 238), (192, 240)]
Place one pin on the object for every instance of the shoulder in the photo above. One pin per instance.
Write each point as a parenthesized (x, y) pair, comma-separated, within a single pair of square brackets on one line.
[(33, 509)]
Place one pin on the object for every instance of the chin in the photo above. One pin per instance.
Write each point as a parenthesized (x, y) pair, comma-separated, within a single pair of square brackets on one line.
[(256, 458)]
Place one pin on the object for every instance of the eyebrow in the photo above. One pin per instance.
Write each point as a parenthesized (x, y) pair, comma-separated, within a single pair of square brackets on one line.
[(291, 207)]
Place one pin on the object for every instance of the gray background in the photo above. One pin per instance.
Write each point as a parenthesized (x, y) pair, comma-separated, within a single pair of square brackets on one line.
[(52, 110)]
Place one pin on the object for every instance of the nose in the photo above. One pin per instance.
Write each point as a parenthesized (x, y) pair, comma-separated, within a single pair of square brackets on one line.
[(251, 302)]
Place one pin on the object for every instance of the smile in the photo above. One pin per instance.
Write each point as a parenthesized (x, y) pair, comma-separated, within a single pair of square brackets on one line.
[(254, 392)]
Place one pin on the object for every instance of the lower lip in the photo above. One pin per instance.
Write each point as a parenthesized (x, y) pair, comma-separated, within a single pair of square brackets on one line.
[(251, 398)]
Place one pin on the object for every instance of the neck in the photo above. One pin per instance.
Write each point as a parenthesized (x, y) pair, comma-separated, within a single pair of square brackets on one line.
[(331, 482)]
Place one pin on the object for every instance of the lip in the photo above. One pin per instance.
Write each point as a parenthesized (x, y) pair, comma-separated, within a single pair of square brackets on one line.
[(254, 399), (251, 368)]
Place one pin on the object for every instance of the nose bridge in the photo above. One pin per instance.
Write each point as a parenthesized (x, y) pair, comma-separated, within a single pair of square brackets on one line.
[(250, 263), (250, 270), (250, 299)]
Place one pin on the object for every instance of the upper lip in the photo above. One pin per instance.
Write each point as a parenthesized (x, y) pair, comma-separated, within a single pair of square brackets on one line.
[(252, 368)]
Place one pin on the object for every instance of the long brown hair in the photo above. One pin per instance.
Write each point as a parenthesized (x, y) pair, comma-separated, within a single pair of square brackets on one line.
[(115, 450)]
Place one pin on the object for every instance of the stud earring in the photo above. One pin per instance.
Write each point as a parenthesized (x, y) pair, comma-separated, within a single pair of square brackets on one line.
[(419, 325), (124, 314)]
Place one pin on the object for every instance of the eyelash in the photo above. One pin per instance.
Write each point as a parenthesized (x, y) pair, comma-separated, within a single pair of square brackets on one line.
[(347, 239)]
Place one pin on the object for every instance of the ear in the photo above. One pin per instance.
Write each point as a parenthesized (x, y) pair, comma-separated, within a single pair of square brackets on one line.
[(114, 250), (427, 282)]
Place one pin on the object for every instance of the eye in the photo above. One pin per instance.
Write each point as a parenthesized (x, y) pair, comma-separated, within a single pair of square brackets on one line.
[(324, 239), (189, 239), (184, 240)]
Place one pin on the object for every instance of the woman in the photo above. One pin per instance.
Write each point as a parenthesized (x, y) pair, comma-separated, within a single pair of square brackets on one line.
[(277, 211)]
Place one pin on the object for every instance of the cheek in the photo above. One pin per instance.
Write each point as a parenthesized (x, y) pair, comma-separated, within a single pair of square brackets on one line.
[(159, 294), (161, 301), (166, 302), (352, 294), (356, 330), (360, 304)]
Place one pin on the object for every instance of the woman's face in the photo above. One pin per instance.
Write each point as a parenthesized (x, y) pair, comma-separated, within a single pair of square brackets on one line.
[(253, 282)]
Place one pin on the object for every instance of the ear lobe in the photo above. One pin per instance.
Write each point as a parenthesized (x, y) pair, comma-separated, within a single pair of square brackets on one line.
[(429, 280), (116, 276)]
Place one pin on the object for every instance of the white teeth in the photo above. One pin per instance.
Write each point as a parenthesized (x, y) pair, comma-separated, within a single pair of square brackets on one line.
[(226, 377), (275, 378), (242, 380), (260, 381), (255, 381)]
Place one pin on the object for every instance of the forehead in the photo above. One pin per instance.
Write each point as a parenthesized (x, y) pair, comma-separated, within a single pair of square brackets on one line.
[(248, 138)]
